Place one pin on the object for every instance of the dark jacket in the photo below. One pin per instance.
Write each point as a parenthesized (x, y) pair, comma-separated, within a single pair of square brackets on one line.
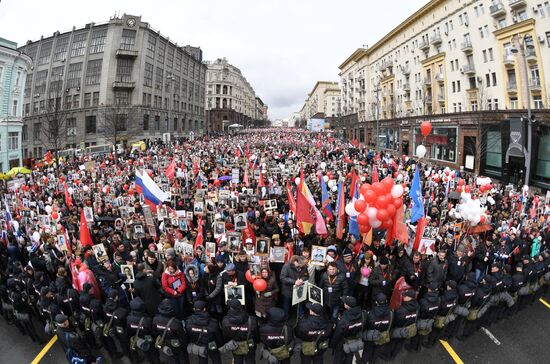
[(272, 333), (175, 330), (239, 326), (147, 287), (70, 339), (213, 288), (349, 326), (437, 272), (333, 288), (379, 318), (457, 268), (203, 329), (406, 314), (263, 303), (449, 299), (314, 328), (351, 272), (289, 275), (381, 281), (137, 315), (429, 305), (195, 285)]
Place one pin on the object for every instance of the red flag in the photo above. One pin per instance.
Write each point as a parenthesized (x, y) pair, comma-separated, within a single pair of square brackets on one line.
[(420, 226), (67, 242), (340, 215), (195, 166), (305, 218), (68, 199), (374, 175), (85, 237), (248, 233), (245, 178), (399, 227), (261, 183), (353, 184), (48, 156), (200, 238), (291, 201), (170, 171)]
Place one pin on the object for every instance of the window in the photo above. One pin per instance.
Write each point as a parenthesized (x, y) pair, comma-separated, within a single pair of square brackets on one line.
[(441, 144), (160, 53), (481, 33), (175, 124), (502, 23), (493, 156), (93, 72), (128, 40), (68, 102), (543, 160), (61, 47), (88, 99), (178, 61), (45, 52), (490, 50), (40, 82), (159, 76), (90, 124), (25, 132), (120, 122), (124, 69), (494, 76), (484, 56), (97, 43), (488, 79), (151, 45), (1, 73), (76, 101), (537, 101), (14, 108), (95, 99), (13, 140), (36, 130), (513, 103), (79, 45), (146, 122), (148, 75), (74, 75), (170, 57), (495, 104), (473, 105), (157, 122), (71, 126), (522, 15), (122, 97), (56, 79), (548, 39), (457, 86), (541, 10)]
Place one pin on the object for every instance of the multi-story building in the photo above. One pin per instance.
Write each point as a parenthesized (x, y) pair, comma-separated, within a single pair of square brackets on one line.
[(261, 110), (324, 99), (122, 70), (13, 73), (230, 98), (472, 67)]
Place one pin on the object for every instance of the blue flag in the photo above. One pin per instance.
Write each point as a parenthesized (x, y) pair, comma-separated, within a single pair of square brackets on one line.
[(353, 226), (326, 208), (416, 197)]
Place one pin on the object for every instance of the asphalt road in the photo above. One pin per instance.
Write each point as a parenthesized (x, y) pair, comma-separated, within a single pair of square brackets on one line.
[(524, 338)]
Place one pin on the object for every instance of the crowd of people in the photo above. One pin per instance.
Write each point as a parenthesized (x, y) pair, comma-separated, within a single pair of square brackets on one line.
[(194, 248)]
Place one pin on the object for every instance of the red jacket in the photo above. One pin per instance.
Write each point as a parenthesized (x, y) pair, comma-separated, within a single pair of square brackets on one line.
[(174, 284)]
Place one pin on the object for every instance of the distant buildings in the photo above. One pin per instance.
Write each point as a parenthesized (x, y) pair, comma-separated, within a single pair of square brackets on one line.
[(13, 74), (118, 77), (230, 98), (324, 99)]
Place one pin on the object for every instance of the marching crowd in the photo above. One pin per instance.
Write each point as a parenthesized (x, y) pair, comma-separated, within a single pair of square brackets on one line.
[(99, 282)]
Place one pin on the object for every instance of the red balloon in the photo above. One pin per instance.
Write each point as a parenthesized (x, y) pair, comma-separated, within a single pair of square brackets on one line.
[(45, 180), (260, 284), (370, 196), (364, 188), (61, 179), (482, 219), (426, 128), (131, 192), (459, 189), (249, 277), (467, 189), (460, 182), (382, 215), (360, 205), (388, 184), (387, 224), (362, 219), (381, 202), (378, 188), (125, 187), (446, 173), (397, 202), (390, 208), (55, 215), (363, 229)]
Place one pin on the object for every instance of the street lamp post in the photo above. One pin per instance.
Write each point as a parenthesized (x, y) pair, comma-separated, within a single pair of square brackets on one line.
[(526, 43)]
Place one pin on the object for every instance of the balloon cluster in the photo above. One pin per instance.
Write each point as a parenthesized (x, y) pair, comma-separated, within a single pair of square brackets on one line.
[(484, 184), (472, 211), (258, 283), (425, 129), (377, 205)]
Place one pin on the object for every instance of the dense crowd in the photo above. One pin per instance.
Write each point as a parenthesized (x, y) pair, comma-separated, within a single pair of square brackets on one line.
[(223, 267)]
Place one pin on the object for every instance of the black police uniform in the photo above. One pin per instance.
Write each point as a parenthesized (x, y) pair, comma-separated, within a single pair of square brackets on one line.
[(314, 330), (377, 333), (348, 331), (277, 336), (429, 306), (445, 314), (114, 330), (465, 292), (140, 331), (405, 317), (204, 332), (242, 328), (175, 341)]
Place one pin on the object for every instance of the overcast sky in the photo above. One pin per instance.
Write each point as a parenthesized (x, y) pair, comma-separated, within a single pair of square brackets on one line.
[(282, 46)]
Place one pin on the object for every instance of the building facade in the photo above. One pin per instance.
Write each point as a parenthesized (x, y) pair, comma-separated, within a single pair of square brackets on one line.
[(120, 72), (473, 67), (324, 98), (230, 98), (261, 110), (13, 73)]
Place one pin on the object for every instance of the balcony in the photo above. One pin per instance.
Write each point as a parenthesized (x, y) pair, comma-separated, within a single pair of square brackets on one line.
[(509, 61), (427, 81), (469, 69), (512, 88), (126, 53), (516, 4), (473, 93), (535, 85), (436, 39), (441, 98), (467, 47), (407, 87), (424, 45), (497, 10), (531, 57), (124, 85), (439, 78), (405, 70)]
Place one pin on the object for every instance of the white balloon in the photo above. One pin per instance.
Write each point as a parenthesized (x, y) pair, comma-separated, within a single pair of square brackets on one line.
[(85, 188), (15, 224), (332, 183), (36, 236), (297, 181), (323, 165), (48, 209), (350, 210), (371, 212), (525, 188), (334, 188), (458, 215), (50, 199), (70, 190), (363, 179), (325, 178), (397, 191), (400, 177), (375, 223), (420, 151)]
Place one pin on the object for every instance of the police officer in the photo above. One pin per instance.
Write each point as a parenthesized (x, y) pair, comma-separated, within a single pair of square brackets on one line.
[(277, 337), (346, 338), (89, 318), (170, 335), (241, 328), (314, 332), (465, 292), (377, 333), (429, 306), (404, 322), (48, 309), (69, 339), (114, 330), (204, 334), (445, 313), (140, 332), (479, 300)]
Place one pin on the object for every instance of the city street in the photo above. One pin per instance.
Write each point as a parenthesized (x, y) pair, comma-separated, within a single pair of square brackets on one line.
[(522, 339)]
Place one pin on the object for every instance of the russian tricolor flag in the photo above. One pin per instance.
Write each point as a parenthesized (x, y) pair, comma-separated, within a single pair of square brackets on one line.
[(152, 194)]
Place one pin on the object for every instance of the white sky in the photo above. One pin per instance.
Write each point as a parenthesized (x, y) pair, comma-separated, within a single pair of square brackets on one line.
[(282, 46)]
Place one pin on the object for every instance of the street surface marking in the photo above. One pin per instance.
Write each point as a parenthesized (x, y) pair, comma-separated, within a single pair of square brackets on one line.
[(491, 336), (44, 350), (543, 301), (451, 352)]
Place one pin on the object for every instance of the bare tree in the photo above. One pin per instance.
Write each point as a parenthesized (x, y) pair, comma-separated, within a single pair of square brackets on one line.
[(53, 117), (116, 124)]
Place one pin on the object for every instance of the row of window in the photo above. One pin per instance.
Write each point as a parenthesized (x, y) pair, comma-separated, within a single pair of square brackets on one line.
[(13, 140)]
